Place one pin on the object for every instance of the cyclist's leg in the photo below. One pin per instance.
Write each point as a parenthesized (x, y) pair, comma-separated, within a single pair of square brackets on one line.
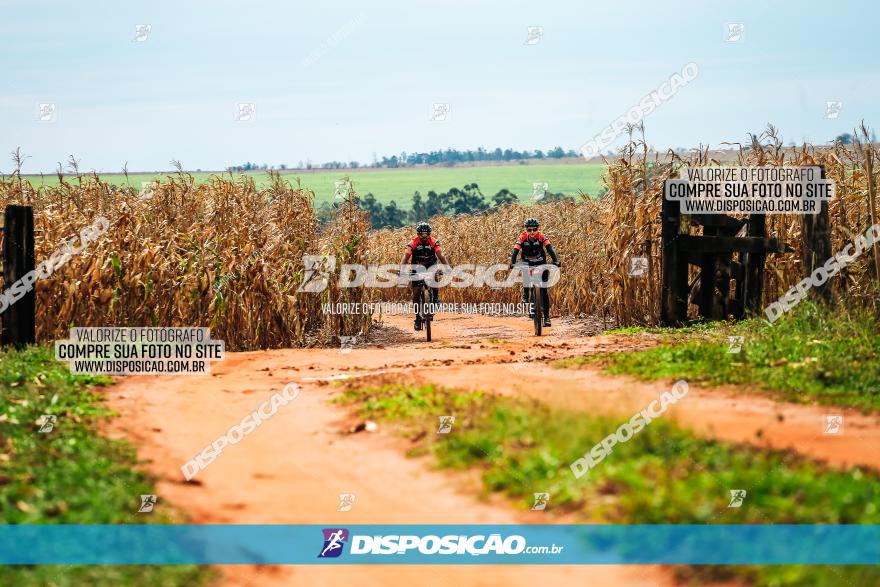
[(433, 290), (416, 289), (527, 300)]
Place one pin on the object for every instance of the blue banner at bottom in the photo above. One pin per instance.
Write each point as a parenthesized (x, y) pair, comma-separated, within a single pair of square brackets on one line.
[(440, 544)]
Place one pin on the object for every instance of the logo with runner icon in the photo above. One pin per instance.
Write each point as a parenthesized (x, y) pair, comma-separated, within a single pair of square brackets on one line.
[(334, 541)]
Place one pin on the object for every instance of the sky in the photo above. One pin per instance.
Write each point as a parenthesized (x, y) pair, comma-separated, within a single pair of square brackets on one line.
[(347, 80)]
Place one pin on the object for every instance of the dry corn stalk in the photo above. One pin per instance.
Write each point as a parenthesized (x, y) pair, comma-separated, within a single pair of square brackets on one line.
[(221, 254)]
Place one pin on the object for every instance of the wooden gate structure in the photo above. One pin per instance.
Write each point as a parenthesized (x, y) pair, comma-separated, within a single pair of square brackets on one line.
[(723, 257), (18, 318)]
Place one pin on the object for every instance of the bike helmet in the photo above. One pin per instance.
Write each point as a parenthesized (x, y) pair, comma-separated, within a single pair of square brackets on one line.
[(530, 223), (423, 228)]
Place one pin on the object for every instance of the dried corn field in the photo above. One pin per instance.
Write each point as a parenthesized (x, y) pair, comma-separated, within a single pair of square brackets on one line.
[(487, 239), (596, 238), (229, 256), (221, 254)]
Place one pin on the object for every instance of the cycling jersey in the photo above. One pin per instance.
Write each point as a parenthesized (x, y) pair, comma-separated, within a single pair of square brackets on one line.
[(424, 254), (533, 252)]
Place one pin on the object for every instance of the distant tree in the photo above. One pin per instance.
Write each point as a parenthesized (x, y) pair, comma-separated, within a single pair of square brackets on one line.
[(844, 139), (437, 204), (393, 216), (382, 216), (467, 200), (556, 153), (504, 196), (354, 164), (392, 161), (418, 210), (370, 204)]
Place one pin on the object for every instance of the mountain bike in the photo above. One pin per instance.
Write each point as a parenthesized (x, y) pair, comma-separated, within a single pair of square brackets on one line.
[(534, 280), (425, 301)]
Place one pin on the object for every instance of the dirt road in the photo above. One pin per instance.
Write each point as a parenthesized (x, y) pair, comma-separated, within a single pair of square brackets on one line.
[(293, 467)]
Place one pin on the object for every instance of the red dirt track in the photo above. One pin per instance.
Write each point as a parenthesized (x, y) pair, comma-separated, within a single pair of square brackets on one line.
[(292, 468)]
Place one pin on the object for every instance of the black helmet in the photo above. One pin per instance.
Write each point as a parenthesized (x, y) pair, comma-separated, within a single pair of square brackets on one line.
[(423, 228), (530, 222)]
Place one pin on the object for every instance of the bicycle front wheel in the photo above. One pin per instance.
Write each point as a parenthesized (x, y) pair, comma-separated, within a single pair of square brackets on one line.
[(426, 306), (539, 310)]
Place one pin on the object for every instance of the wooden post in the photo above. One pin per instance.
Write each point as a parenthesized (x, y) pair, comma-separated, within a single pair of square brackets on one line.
[(816, 246), (673, 265), (19, 317), (708, 268), (754, 267), (872, 204)]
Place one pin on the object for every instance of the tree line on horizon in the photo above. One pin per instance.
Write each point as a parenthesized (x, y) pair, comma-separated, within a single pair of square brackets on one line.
[(404, 159), (453, 156)]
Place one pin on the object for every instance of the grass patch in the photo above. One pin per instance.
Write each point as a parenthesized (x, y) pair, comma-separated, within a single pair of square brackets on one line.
[(70, 475), (663, 475), (695, 328), (809, 355)]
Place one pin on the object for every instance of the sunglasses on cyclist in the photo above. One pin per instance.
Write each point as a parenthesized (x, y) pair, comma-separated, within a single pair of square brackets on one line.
[(531, 230)]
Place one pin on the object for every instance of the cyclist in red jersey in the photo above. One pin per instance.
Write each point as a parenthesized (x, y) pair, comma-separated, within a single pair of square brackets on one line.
[(423, 250), (535, 247)]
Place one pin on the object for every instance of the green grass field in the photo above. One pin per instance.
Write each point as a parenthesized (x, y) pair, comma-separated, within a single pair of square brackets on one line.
[(400, 184), (71, 475), (664, 475), (812, 354)]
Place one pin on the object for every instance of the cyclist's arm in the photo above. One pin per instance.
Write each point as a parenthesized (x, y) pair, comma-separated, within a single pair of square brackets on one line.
[(517, 247), (552, 253), (439, 252)]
